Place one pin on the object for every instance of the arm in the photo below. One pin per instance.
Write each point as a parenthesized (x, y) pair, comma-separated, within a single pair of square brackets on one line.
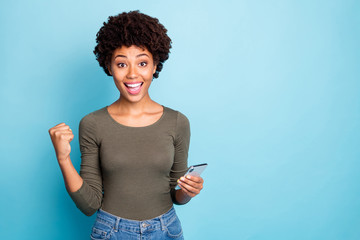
[(61, 136), (179, 167), (190, 187), (73, 181), (84, 189), (88, 197)]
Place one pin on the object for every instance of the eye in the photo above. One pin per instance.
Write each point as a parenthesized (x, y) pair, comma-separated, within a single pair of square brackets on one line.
[(143, 64), (121, 65)]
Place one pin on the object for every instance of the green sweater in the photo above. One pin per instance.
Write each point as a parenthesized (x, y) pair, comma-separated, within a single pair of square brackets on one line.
[(131, 172)]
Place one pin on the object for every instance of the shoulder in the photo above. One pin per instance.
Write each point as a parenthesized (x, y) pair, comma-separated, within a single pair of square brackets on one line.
[(180, 121), (178, 116), (95, 115), (90, 119)]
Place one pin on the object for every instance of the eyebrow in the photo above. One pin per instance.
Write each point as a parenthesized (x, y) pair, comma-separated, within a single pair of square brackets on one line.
[(137, 56)]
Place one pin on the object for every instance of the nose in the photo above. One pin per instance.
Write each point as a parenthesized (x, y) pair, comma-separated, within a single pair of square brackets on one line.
[(132, 72)]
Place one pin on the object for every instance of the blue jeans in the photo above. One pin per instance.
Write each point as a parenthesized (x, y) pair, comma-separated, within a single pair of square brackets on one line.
[(108, 226)]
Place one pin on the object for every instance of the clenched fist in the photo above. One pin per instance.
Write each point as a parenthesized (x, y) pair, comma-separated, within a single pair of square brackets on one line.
[(61, 136)]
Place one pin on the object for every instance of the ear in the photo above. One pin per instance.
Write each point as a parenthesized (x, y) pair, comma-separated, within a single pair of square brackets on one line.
[(109, 69), (154, 68)]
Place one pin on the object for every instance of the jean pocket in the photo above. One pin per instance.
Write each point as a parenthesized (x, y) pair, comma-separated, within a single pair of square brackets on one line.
[(101, 230), (174, 229), (98, 234)]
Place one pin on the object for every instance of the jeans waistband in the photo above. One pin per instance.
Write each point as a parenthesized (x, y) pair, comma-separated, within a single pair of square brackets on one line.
[(117, 223)]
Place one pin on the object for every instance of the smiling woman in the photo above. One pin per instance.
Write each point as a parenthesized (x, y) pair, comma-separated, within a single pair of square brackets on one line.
[(132, 69), (134, 151)]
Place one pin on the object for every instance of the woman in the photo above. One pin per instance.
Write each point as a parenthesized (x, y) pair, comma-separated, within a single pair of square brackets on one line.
[(134, 152)]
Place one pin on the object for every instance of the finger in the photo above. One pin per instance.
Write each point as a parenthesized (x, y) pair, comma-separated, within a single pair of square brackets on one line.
[(56, 128), (193, 189), (67, 135), (71, 138), (196, 179), (187, 192), (58, 133), (190, 181), (191, 186), (62, 127), (64, 135)]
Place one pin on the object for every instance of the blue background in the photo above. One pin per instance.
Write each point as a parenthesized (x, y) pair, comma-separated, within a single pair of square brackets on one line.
[(271, 88)]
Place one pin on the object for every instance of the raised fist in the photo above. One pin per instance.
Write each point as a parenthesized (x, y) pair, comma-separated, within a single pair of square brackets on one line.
[(61, 136)]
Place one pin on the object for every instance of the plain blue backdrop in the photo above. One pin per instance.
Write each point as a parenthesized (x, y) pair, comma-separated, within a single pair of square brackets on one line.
[(271, 88)]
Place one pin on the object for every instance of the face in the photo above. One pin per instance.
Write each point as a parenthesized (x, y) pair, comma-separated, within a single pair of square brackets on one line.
[(132, 69)]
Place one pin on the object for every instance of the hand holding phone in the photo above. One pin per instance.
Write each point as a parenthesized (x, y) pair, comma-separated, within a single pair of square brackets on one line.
[(194, 170)]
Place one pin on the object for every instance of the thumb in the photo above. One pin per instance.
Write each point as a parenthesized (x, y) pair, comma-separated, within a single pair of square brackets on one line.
[(68, 137)]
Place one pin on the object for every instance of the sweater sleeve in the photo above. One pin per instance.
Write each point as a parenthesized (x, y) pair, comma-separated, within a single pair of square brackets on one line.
[(181, 144), (89, 197)]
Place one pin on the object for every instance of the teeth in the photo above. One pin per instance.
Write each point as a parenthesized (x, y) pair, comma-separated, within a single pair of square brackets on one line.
[(133, 85)]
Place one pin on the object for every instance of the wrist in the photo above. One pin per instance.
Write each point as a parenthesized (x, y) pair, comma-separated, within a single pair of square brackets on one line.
[(64, 161), (182, 197)]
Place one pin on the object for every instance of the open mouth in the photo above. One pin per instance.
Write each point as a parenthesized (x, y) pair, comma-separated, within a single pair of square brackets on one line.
[(133, 88)]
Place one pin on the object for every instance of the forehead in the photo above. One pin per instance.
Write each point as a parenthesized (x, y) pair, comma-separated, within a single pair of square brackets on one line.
[(131, 52)]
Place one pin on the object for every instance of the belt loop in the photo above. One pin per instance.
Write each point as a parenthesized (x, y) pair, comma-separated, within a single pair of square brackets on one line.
[(117, 223), (162, 222)]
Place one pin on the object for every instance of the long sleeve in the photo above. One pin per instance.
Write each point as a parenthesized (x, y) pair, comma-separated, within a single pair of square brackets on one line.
[(89, 197), (181, 144)]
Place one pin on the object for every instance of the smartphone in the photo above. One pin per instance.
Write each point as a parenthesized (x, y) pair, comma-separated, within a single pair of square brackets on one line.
[(194, 170)]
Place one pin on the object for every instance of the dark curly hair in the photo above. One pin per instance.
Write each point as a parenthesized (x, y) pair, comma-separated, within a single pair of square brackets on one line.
[(132, 28)]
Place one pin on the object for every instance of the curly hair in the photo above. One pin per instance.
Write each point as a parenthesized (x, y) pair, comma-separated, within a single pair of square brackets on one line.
[(132, 28)]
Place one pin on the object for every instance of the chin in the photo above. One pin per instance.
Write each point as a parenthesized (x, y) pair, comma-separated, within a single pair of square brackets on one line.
[(133, 99)]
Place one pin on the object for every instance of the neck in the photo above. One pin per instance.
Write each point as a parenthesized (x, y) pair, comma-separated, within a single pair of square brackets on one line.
[(125, 106)]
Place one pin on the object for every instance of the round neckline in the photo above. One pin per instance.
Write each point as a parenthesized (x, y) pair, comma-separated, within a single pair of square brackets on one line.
[(126, 126)]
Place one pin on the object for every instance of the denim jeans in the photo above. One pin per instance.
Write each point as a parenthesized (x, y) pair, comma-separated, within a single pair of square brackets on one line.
[(108, 226)]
